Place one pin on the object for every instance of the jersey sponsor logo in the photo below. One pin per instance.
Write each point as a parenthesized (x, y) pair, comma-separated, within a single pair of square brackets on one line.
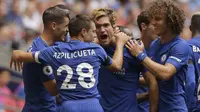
[(175, 58), (75, 54), (121, 72), (163, 58), (195, 49)]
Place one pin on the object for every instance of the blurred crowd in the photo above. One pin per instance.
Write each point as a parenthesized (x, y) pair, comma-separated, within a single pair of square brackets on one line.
[(21, 22)]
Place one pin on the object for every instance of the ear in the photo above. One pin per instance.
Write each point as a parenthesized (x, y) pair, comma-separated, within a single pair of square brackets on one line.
[(83, 32), (143, 26), (190, 28), (114, 26), (53, 25)]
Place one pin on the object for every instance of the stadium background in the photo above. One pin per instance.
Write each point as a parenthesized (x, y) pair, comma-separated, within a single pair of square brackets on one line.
[(21, 21)]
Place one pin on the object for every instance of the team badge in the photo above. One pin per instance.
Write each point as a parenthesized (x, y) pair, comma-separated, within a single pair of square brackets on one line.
[(163, 58)]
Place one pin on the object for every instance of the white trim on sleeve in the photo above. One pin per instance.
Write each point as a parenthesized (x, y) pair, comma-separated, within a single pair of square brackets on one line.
[(37, 56)]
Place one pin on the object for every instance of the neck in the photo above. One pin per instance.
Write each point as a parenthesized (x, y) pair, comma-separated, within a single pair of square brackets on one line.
[(146, 40), (47, 37), (113, 42), (166, 37), (77, 38)]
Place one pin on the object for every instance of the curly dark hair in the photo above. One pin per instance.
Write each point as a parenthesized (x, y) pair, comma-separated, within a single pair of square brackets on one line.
[(101, 12), (175, 16)]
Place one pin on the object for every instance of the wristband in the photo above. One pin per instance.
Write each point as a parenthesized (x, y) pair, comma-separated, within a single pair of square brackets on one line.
[(141, 56)]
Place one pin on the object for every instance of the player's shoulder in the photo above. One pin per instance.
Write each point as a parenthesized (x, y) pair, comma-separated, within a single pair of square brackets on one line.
[(195, 40), (100, 50), (154, 43), (38, 44), (93, 45), (58, 43), (180, 45), (181, 42)]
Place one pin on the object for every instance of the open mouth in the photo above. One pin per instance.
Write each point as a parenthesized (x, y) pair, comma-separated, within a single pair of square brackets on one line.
[(103, 37)]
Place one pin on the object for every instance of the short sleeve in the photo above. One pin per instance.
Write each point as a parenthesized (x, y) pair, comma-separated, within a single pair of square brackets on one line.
[(47, 73), (179, 55), (104, 58), (44, 56)]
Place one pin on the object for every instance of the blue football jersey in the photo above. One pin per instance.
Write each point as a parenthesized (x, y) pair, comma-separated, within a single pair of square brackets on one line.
[(76, 65), (171, 92), (195, 46), (190, 80), (118, 89), (37, 97)]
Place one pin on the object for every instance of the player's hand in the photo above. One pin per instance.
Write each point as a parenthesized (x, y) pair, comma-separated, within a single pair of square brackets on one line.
[(14, 60), (121, 38), (135, 47)]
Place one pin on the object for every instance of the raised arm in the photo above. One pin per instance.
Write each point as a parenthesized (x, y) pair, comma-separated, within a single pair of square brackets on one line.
[(18, 57), (117, 59), (177, 58)]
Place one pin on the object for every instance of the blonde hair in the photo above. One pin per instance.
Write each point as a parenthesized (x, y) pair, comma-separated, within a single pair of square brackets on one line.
[(98, 13)]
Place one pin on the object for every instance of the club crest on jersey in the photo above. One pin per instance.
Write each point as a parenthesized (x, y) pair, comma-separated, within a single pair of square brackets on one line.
[(163, 58)]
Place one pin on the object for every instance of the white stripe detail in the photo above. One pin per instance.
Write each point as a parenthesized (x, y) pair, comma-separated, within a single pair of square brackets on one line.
[(37, 56), (172, 57)]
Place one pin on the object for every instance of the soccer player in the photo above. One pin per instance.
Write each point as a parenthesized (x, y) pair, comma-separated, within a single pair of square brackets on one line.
[(195, 46), (38, 76), (147, 36), (118, 89), (169, 55), (76, 65)]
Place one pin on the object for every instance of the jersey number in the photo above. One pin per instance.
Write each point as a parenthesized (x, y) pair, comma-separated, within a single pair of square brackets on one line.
[(81, 76)]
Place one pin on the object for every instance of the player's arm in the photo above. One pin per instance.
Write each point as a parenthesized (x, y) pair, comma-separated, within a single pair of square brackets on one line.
[(142, 97), (117, 59), (153, 90), (50, 85), (18, 57), (177, 58), (22, 56), (142, 81)]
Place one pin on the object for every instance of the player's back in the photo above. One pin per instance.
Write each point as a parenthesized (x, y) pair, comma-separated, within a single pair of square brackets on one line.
[(37, 97), (195, 46), (118, 89), (81, 63), (76, 65)]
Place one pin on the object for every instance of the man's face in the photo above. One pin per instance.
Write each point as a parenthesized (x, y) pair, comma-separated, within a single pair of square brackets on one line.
[(61, 29), (91, 34), (150, 32), (159, 23), (104, 31)]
